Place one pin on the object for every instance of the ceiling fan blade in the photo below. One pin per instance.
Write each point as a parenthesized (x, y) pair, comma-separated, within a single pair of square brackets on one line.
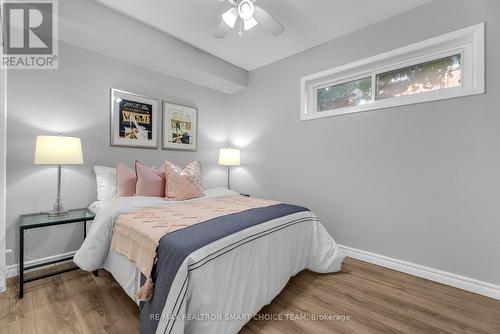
[(267, 21), (230, 16), (221, 30)]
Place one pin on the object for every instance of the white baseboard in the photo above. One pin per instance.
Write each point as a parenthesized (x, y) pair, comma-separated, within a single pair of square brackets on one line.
[(436, 275), (13, 270)]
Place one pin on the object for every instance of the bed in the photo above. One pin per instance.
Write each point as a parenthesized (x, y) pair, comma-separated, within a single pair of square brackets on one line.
[(217, 287)]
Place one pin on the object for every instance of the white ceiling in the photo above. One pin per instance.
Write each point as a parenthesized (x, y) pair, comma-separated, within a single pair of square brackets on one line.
[(308, 23)]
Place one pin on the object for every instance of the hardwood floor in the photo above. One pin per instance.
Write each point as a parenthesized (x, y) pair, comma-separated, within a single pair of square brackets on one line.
[(370, 299)]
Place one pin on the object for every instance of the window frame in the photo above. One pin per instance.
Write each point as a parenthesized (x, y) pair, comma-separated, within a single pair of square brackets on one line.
[(468, 42)]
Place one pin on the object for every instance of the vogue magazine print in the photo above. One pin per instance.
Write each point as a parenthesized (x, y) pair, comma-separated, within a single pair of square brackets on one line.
[(179, 127), (134, 120)]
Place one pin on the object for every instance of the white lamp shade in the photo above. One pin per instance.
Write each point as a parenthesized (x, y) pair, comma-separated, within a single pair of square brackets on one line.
[(58, 150), (229, 157)]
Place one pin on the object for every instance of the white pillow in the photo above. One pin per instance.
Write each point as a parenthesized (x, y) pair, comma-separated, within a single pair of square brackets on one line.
[(106, 182)]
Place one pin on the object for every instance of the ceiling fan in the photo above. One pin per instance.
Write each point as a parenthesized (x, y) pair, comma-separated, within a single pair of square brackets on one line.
[(244, 15)]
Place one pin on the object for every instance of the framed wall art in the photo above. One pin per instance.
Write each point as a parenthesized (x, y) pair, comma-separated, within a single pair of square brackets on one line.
[(180, 127), (134, 120)]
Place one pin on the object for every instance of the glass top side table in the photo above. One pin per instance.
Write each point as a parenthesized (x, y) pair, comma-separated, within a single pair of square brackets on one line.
[(39, 220)]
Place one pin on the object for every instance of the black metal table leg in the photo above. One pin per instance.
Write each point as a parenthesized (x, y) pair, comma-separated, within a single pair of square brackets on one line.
[(84, 230), (21, 262)]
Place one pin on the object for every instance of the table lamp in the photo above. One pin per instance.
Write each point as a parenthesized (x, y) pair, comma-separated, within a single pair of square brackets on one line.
[(58, 150), (229, 157)]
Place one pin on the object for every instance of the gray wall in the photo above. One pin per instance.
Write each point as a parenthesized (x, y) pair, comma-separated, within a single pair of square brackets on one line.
[(74, 100), (419, 183)]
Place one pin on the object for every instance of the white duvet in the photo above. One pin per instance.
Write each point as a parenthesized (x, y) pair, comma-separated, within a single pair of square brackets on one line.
[(222, 295)]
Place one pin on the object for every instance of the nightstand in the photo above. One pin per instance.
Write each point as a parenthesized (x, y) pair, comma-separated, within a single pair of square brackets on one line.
[(38, 220)]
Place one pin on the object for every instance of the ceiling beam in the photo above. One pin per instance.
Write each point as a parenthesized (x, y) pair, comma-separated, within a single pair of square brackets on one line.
[(89, 25)]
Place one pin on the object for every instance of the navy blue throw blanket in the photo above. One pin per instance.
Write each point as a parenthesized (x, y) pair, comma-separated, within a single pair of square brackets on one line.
[(174, 247)]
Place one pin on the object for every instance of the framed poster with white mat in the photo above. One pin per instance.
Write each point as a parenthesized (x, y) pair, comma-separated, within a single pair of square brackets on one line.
[(180, 127)]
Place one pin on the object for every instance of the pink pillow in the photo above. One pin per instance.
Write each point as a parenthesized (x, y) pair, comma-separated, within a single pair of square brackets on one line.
[(183, 183), (125, 181), (150, 181)]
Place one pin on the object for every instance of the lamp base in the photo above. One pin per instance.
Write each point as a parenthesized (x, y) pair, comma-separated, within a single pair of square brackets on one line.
[(57, 213), (58, 209)]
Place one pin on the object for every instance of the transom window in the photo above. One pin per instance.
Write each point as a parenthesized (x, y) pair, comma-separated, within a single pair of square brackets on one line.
[(446, 66), (425, 77), (347, 94)]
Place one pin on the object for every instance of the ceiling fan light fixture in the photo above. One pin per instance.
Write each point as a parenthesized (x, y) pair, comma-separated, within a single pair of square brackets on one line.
[(230, 16), (246, 9), (243, 16), (250, 23)]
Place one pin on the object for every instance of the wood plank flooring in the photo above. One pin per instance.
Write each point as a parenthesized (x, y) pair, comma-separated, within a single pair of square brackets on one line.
[(363, 298)]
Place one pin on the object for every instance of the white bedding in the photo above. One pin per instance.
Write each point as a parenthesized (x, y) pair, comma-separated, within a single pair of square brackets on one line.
[(237, 284), (96, 206)]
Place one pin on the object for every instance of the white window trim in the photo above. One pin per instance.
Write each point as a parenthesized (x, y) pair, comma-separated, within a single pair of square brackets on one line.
[(469, 42)]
